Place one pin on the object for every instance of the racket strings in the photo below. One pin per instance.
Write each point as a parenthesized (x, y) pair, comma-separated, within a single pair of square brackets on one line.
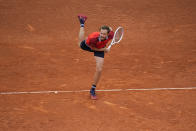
[(118, 35)]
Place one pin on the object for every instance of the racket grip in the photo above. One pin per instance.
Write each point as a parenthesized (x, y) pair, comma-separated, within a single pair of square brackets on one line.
[(109, 46)]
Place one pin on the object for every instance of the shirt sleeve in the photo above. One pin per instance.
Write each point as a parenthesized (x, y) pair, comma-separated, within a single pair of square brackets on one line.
[(93, 41), (111, 35)]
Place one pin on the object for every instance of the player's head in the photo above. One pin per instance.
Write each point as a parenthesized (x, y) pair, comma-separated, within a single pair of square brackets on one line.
[(104, 31)]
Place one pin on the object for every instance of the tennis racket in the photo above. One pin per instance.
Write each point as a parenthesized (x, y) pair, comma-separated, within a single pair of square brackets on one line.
[(118, 35)]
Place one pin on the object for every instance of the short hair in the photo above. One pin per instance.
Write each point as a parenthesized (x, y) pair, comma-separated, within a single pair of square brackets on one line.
[(104, 27)]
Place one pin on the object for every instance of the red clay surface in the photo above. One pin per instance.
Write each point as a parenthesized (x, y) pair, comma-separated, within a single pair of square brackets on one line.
[(38, 51)]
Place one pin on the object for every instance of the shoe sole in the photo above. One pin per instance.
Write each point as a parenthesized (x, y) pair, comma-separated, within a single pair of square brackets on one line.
[(82, 17), (93, 97)]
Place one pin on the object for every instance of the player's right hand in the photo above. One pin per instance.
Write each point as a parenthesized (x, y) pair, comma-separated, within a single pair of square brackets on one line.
[(107, 50)]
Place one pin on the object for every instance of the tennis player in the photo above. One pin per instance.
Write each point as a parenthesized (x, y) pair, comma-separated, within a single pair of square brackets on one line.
[(95, 43)]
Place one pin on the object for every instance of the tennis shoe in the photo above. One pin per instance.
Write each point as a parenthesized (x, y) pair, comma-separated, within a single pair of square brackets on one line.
[(82, 18), (93, 94)]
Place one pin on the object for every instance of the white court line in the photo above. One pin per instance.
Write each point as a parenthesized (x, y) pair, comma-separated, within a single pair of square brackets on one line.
[(109, 90)]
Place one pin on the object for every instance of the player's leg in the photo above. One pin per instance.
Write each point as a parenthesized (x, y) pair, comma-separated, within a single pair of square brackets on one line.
[(99, 66), (81, 35), (82, 20), (99, 58)]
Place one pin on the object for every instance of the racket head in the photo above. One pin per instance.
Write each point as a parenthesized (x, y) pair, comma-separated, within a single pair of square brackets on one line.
[(118, 35)]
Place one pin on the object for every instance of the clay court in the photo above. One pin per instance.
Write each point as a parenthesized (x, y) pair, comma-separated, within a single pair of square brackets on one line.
[(153, 68)]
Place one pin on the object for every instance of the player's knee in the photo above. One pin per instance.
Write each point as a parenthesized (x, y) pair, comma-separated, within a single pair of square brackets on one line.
[(99, 69)]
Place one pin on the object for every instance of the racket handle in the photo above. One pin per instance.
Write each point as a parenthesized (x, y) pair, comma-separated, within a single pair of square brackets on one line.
[(109, 46)]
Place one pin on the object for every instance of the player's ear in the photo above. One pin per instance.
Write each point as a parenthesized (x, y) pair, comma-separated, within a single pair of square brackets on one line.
[(101, 28)]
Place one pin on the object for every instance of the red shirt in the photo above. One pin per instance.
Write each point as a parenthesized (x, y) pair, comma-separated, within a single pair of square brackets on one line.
[(93, 40)]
